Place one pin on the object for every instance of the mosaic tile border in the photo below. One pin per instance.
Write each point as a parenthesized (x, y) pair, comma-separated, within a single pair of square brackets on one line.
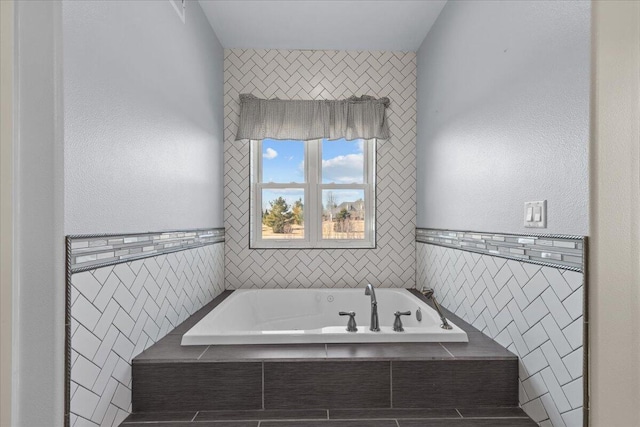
[(89, 251), (551, 250)]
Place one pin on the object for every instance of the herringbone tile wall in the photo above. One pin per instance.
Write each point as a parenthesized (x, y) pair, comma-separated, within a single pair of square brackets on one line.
[(536, 312), (119, 311), (299, 74)]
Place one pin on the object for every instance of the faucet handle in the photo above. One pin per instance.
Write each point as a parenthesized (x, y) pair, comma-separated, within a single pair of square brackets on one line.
[(397, 324), (351, 325)]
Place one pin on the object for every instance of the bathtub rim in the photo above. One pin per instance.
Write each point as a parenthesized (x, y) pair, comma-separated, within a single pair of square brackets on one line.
[(387, 335)]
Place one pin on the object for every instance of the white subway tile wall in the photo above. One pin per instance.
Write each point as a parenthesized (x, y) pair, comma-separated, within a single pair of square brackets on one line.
[(305, 74), (535, 311), (119, 310)]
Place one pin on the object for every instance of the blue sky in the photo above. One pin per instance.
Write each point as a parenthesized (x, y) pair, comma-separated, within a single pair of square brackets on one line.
[(342, 161), (283, 162)]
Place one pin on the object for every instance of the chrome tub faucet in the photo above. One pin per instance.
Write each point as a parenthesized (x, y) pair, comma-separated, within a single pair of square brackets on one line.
[(375, 324)]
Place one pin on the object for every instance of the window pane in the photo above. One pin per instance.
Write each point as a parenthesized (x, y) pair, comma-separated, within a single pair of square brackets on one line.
[(343, 214), (343, 161), (283, 213), (282, 161)]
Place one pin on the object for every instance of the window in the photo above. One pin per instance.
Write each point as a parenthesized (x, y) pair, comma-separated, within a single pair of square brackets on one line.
[(313, 194)]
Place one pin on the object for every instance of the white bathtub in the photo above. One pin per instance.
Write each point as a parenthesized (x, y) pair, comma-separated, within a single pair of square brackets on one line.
[(287, 316)]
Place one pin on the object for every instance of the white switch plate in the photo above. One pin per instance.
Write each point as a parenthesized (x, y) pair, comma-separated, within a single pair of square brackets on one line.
[(539, 217)]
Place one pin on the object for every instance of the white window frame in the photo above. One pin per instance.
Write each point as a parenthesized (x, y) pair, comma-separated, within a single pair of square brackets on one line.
[(313, 187)]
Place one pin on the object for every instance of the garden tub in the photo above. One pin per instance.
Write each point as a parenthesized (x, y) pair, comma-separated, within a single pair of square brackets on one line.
[(289, 316)]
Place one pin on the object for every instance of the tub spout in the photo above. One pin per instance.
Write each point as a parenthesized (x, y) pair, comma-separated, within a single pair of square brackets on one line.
[(375, 324)]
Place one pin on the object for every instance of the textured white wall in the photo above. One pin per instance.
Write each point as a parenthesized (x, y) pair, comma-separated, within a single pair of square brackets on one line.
[(143, 118), (503, 116)]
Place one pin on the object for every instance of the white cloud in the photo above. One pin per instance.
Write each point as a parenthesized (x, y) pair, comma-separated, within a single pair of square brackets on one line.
[(270, 153), (343, 169)]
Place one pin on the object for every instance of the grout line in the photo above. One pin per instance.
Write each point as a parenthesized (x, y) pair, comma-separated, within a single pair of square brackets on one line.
[(327, 414), (262, 388), (458, 412), (391, 383), (223, 421), (397, 423), (203, 352), (321, 420), (504, 418), (447, 350), (194, 417)]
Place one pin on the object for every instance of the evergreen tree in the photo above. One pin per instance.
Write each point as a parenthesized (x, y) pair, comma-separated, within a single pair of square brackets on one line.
[(343, 214), (278, 215), (341, 223)]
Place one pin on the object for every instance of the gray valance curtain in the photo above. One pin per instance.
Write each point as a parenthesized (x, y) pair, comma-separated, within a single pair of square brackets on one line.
[(353, 118)]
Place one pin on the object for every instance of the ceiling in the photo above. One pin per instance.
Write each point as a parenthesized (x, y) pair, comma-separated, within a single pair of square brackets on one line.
[(398, 25)]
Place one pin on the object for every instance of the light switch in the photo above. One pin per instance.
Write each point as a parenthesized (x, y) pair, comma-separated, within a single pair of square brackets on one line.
[(538, 214), (535, 214)]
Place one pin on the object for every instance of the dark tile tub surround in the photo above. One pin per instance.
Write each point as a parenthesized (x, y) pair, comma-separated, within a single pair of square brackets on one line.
[(454, 383), (196, 386), (325, 384)]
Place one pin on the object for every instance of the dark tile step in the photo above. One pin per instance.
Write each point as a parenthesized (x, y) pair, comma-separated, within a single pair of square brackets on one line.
[(488, 412), (267, 414), (351, 414), (140, 417), (330, 423), (192, 424), (469, 422), (373, 417)]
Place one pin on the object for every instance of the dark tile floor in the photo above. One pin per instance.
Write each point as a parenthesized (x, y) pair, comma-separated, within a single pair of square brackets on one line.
[(462, 417)]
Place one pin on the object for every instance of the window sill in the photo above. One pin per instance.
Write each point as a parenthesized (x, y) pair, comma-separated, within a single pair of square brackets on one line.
[(307, 246)]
